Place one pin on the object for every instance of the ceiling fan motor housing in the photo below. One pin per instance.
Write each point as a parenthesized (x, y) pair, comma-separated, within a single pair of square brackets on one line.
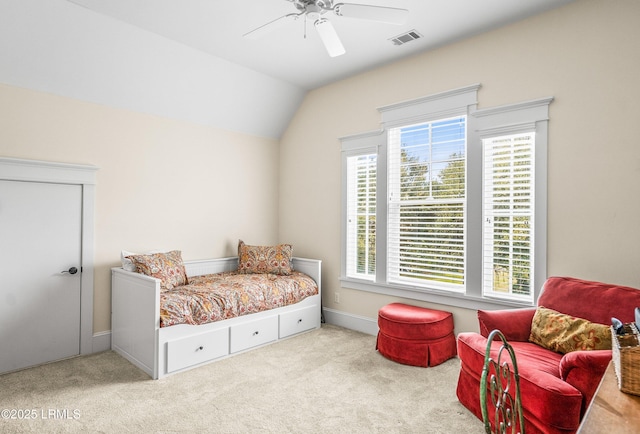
[(313, 6)]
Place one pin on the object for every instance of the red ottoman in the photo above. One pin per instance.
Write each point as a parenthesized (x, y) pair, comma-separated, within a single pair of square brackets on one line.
[(415, 335)]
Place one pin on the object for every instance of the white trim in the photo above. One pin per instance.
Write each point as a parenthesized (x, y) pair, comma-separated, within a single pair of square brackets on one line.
[(350, 321), (537, 108), (512, 118), (506, 130), (101, 341), (371, 139), (87, 278), (16, 169), (468, 300), (444, 104)]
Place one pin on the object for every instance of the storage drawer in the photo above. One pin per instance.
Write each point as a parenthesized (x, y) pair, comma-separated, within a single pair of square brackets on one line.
[(254, 333), (193, 350), (299, 321)]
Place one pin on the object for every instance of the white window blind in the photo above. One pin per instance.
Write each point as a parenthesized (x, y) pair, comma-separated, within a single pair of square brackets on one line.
[(508, 214), (427, 201), (361, 216)]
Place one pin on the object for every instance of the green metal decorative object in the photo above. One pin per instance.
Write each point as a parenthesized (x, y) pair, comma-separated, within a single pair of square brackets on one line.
[(499, 378)]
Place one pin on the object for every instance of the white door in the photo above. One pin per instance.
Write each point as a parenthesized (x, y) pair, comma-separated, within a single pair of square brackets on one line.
[(40, 242)]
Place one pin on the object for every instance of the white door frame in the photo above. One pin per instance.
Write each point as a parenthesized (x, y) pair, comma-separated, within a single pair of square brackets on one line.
[(15, 169)]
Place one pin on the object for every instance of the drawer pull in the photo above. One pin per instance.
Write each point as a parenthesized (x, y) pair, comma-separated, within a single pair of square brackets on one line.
[(200, 348), (256, 333), (300, 320)]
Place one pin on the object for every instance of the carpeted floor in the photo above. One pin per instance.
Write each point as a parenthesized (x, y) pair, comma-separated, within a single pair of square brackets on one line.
[(328, 380)]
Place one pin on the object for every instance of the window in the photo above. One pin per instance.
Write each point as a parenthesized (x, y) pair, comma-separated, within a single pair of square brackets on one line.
[(361, 216), (508, 215), (447, 203), (426, 208)]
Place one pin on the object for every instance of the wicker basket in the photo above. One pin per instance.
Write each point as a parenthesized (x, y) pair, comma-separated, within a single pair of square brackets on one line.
[(626, 358)]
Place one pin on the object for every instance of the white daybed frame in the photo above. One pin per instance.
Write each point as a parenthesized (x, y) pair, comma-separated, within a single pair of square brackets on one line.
[(137, 336)]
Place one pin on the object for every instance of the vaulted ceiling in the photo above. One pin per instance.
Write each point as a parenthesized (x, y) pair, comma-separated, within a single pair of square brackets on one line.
[(188, 59)]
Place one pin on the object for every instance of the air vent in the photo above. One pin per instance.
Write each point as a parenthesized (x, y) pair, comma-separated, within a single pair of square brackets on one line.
[(409, 36)]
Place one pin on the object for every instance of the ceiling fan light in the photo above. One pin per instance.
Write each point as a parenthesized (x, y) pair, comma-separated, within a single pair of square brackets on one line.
[(329, 37)]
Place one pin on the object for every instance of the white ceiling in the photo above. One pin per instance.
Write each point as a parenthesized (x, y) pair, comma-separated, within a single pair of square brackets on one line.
[(216, 27)]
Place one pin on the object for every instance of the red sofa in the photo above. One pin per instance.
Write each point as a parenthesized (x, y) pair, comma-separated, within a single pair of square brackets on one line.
[(556, 389)]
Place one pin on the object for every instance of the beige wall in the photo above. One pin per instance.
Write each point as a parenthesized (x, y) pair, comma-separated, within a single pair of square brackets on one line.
[(166, 184), (162, 184), (585, 55)]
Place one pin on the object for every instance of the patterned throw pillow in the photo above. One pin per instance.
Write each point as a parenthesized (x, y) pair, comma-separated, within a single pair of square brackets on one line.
[(168, 267), (564, 333), (264, 259)]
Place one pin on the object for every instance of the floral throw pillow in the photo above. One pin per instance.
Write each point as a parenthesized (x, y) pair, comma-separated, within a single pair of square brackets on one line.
[(564, 333), (264, 259), (168, 267)]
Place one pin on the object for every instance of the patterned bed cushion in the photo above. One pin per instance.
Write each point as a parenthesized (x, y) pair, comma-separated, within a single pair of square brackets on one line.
[(168, 267), (264, 259), (215, 297), (127, 264)]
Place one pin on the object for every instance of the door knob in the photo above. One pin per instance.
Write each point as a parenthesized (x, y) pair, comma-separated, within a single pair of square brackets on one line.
[(72, 270)]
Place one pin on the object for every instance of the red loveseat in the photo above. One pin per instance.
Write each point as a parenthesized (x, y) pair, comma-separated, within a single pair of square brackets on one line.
[(556, 388)]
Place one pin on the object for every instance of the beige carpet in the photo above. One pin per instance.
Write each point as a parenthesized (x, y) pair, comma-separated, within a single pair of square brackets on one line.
[(327, 381)]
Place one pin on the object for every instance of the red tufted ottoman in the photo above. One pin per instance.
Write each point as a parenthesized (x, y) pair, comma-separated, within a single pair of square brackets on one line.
[(415, 335)]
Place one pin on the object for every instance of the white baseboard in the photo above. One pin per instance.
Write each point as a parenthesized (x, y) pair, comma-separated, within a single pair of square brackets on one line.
[(350, 321), (101, 341)]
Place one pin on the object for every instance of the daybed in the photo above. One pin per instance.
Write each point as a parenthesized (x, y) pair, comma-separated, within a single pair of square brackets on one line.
[(138, 333), (558, 348)]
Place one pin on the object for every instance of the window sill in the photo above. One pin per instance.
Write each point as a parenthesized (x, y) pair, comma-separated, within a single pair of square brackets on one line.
[(434, 296)]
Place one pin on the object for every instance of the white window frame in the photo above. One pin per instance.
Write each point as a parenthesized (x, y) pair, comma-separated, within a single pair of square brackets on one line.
[(526, 117), (352, 146), (484, 123), (355, 213)]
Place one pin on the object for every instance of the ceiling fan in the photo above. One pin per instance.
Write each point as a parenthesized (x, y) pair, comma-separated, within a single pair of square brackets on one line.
[(314, 11)]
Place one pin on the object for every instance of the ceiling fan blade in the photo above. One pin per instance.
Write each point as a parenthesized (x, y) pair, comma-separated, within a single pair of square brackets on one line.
[(329, 37), (271, 26), (374, 13)]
